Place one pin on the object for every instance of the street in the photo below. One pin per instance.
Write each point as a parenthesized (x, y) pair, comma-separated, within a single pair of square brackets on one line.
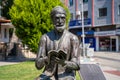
[(111, 59), (109, 63)]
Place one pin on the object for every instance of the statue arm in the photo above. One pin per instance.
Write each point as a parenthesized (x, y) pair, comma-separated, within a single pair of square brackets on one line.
[(41, 59), (74, 62)]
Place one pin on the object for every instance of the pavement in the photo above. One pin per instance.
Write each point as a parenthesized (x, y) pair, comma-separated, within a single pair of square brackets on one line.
[(10, 61), (109, 63), (3, 63)]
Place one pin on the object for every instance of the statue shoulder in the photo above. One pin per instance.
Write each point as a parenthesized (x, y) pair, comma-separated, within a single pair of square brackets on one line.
[(43, 37), (72, 36), (48, 35)]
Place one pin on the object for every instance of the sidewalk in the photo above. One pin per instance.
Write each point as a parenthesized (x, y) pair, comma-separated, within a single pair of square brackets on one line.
[(14, 60), (109, 63), (2, 63), (10, 61)]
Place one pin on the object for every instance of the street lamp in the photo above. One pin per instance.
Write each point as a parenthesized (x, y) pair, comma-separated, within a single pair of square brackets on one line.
[(83, 32)]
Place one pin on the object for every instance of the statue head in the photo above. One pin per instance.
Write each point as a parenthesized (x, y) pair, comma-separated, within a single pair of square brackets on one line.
[(58, 16)]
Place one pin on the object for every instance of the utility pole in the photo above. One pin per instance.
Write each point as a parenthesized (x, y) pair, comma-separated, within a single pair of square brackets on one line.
[(83, 32)]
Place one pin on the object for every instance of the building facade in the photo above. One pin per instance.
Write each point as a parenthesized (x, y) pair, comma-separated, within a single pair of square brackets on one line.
[(6, 30), (101, 23)]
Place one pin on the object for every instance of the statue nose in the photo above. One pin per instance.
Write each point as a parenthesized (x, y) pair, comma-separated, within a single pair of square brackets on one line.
[(60, 20)]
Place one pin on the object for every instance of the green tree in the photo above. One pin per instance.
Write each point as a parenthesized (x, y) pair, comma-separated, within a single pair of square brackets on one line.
[(31, 19)]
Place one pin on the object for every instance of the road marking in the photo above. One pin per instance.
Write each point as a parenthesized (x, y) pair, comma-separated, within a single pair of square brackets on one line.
[(115, 72)]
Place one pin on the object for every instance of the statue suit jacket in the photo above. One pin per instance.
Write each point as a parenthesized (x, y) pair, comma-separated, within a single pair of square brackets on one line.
[(69, 43)]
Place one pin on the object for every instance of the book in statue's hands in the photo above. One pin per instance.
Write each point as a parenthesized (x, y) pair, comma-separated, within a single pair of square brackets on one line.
[(57, 53)]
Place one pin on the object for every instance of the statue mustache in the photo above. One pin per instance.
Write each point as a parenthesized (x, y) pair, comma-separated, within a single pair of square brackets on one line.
[(59, 24)]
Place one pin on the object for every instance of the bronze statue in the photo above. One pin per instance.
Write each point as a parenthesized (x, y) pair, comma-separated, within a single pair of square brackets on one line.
[(58, 50)]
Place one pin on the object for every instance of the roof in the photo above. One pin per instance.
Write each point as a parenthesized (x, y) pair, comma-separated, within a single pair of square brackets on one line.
[(3, 20)]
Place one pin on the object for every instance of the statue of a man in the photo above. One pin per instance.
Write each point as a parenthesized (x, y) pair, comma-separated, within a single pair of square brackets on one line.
[(58, 39)]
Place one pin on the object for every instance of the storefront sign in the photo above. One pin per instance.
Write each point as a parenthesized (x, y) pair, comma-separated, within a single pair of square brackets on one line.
[(117, 31), (105, 33)]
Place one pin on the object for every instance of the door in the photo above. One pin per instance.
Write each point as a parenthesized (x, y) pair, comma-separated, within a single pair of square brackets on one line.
[(113, 44)]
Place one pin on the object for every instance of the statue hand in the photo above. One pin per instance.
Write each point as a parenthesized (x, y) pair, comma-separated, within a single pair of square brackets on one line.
[(59, 61), (46, 59)]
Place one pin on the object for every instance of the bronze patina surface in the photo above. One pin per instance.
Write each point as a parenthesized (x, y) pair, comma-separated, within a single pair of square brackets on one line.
[(54, 42)]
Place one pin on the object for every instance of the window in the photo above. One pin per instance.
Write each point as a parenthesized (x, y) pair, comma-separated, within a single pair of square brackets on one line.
[(85, 1), (102, 12), (119, 10), (5, 33), (85, 14), (11, 32), (71, 2)]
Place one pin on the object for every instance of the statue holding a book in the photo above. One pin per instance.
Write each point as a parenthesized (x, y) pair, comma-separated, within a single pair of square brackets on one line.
[(58, 50)]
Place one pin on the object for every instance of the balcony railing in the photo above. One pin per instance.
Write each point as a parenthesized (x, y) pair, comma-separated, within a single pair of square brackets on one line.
[(74, 23)]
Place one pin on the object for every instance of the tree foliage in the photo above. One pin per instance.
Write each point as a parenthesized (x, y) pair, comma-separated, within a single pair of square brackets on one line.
[(31, 19)]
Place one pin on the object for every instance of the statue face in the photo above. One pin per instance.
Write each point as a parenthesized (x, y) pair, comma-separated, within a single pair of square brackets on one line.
[(59, 22)]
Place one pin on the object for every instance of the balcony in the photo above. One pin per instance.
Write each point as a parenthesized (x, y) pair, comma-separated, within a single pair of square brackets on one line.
[(78, 23)]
